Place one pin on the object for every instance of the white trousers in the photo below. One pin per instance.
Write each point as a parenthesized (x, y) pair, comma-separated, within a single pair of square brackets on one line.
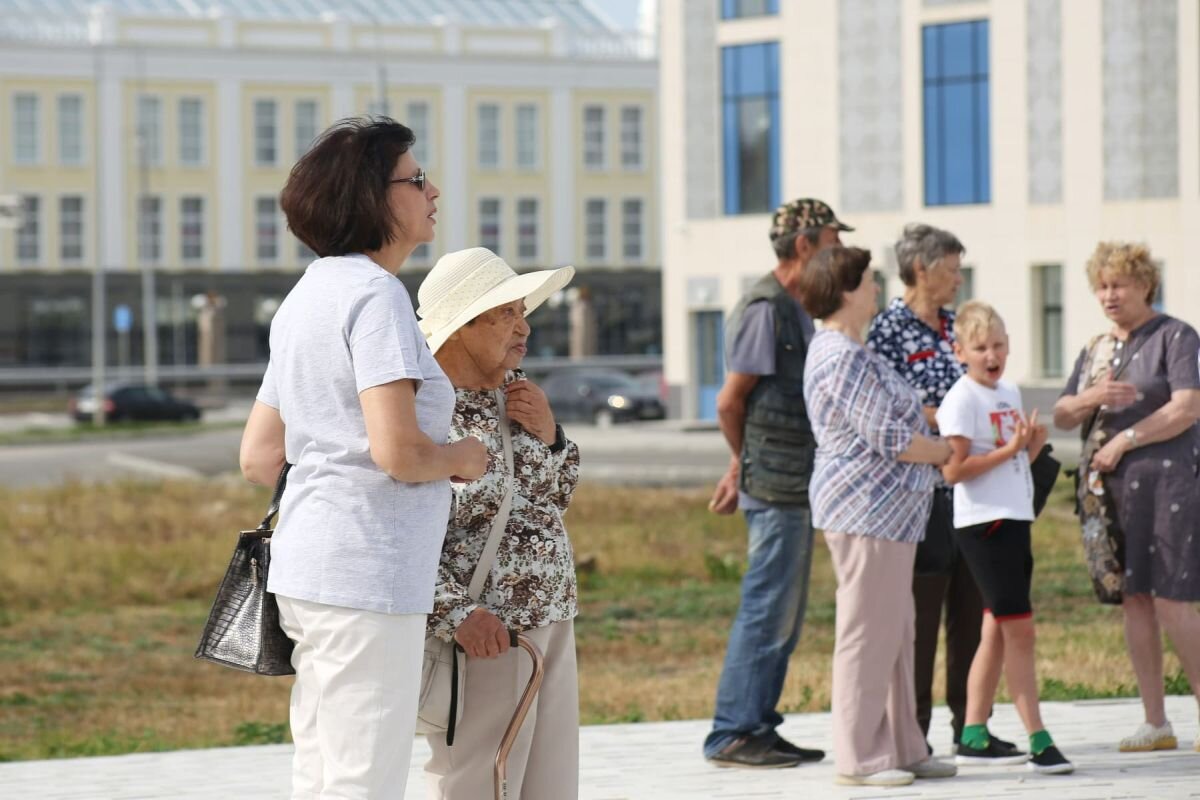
[(544, 762), (354, 702)]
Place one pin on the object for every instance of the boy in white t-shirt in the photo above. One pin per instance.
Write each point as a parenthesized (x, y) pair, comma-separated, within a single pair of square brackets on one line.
[(993, 511)]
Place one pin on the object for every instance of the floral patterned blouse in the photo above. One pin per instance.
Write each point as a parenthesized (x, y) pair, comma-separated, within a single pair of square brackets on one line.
[(532, 581)]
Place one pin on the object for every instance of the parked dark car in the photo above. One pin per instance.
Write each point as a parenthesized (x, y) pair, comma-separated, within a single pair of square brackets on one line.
[(603, 396), (133, 401)]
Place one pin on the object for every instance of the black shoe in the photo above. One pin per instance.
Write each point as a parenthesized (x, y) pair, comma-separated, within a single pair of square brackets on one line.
[(803, 753), (1050, 762), (1002, 745), (754, 752), (967, 756)]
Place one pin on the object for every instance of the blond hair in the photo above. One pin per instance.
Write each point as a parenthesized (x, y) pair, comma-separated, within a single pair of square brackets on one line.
[(1124, 259), (975, 318)]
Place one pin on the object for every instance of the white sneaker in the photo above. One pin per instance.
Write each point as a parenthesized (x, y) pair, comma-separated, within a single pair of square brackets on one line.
[(932, 768), (1148, 737), (887, 777)]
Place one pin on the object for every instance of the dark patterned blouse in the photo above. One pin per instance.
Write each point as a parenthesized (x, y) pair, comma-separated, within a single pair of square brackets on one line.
[(923, 357), (532, 582)]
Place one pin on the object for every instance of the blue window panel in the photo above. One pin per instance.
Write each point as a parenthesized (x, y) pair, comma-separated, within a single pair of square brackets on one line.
[(733, 173), (957, 47), (774, 179), (957, 113), (738, 9), (751, 127)]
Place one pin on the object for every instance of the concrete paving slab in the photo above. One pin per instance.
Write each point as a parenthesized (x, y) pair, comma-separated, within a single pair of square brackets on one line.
[(661, 761)]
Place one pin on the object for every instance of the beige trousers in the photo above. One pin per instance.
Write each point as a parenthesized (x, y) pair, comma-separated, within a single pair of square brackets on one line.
[(874, 703), (544, 763)]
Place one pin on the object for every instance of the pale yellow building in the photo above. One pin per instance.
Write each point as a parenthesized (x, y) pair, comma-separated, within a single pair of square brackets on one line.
[(133, 138)]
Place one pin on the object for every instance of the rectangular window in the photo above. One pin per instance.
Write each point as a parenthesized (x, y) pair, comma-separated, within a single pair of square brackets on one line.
[(26, 129), (29, 235), (70, 129), (489, 135), (265, 133), (593, 137), (489, 224), (737, 9), (149, 129), (306, 125), (631, 137), (417, 119), (70, 229), (149, 222), (191, 229), (750, 127), (266, 229), (421, 254), (1049, 293), (966, 290), (527, 228), (527, 136), (191, 132), (595, 213), (957, 113), (632, 229)]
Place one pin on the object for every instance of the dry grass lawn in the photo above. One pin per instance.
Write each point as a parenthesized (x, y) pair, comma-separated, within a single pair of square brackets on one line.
[(103, 591)]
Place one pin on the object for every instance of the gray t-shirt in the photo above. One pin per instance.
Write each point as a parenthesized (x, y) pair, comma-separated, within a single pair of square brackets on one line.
[(348, 534), (751, 351)]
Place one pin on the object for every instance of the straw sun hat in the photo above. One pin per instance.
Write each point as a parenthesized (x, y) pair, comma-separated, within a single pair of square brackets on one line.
[(464, 284)]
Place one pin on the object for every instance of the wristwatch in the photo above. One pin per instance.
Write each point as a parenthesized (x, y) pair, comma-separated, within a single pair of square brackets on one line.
[(1131, 435), (560, 439)]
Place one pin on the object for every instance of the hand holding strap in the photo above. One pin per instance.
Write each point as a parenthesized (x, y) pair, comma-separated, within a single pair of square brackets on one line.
[(273, 509)]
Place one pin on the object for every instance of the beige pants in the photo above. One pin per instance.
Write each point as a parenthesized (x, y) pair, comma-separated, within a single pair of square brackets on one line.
[(874, 703), (544, 763)]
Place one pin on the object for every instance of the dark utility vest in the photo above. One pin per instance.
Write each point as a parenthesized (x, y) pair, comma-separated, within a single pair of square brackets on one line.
[(777, 442)]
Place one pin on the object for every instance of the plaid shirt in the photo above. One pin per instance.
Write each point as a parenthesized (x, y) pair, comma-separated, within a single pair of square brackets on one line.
[(864, 416)]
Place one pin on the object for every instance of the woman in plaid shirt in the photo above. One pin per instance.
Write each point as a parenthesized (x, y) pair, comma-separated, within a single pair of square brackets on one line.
[(870, 492)]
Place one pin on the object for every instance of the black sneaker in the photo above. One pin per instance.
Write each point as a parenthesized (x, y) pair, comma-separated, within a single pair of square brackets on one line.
[(803, 753), (1003, 745), (754, 752), (967, 756), (1050, 762)]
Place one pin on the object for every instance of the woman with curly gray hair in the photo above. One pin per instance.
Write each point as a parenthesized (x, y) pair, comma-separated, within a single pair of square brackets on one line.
[(915, 335)]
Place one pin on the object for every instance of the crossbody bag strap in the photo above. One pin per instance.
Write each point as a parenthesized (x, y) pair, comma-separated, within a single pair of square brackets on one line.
[(500, 521)]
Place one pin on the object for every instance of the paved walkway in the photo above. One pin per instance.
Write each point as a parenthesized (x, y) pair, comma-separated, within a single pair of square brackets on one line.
[(660, 761)]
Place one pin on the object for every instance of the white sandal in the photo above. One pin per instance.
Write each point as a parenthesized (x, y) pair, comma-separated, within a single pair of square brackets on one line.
[(1148, 737)]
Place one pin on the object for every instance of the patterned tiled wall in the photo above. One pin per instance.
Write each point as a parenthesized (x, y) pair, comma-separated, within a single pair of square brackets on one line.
[(702, 128), (870, 114), (1141, 114), (1044, 99)]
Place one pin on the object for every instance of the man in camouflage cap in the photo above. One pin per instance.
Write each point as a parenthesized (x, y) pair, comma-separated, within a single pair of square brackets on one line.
[(761, 412)]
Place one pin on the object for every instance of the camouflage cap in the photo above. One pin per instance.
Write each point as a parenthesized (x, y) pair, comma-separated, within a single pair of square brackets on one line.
[(804, 214)]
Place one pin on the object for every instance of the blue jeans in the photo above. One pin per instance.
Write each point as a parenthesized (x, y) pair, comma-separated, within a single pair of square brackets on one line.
[(767, 626)]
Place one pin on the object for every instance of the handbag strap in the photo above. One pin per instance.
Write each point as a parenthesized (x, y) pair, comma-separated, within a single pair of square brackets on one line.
[(273, 509), (500, 521)]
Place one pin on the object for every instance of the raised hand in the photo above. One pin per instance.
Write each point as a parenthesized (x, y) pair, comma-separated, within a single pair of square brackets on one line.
[(527, 405)]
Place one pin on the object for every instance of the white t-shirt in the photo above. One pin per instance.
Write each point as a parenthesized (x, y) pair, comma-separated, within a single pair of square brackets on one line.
[(348, 534), (988, 417)]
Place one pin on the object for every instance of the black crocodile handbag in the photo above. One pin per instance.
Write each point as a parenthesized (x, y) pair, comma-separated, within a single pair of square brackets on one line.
[(243, 629)]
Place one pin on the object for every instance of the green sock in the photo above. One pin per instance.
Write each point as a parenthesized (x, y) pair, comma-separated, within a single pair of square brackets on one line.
[(1039, 741), (975, 736)]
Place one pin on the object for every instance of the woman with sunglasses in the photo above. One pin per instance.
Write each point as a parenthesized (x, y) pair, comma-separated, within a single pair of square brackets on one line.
[(354, 399)]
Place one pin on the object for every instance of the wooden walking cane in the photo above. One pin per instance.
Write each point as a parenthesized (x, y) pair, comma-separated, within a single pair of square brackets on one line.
[(518, 717)]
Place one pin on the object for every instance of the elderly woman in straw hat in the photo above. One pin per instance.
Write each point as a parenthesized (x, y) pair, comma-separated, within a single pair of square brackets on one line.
[(473, 307)]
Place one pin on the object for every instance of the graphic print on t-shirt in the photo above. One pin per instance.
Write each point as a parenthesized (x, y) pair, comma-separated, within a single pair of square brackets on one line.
[(1004, 423)]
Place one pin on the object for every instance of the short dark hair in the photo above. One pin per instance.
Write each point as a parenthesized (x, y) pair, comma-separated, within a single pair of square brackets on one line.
[(832, 271), (336, 197), (785, 245)]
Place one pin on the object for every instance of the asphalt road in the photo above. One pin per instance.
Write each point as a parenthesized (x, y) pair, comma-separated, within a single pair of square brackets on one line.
[(646, 454)]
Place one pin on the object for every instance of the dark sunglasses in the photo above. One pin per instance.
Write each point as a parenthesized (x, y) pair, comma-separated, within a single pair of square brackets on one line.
[(417, 180)]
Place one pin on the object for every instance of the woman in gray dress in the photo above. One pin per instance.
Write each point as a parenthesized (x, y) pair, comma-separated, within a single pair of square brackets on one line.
[(1136, 391)]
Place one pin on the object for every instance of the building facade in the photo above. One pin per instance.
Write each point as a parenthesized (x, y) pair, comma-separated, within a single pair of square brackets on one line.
[(1030, 128), (156, 136)]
